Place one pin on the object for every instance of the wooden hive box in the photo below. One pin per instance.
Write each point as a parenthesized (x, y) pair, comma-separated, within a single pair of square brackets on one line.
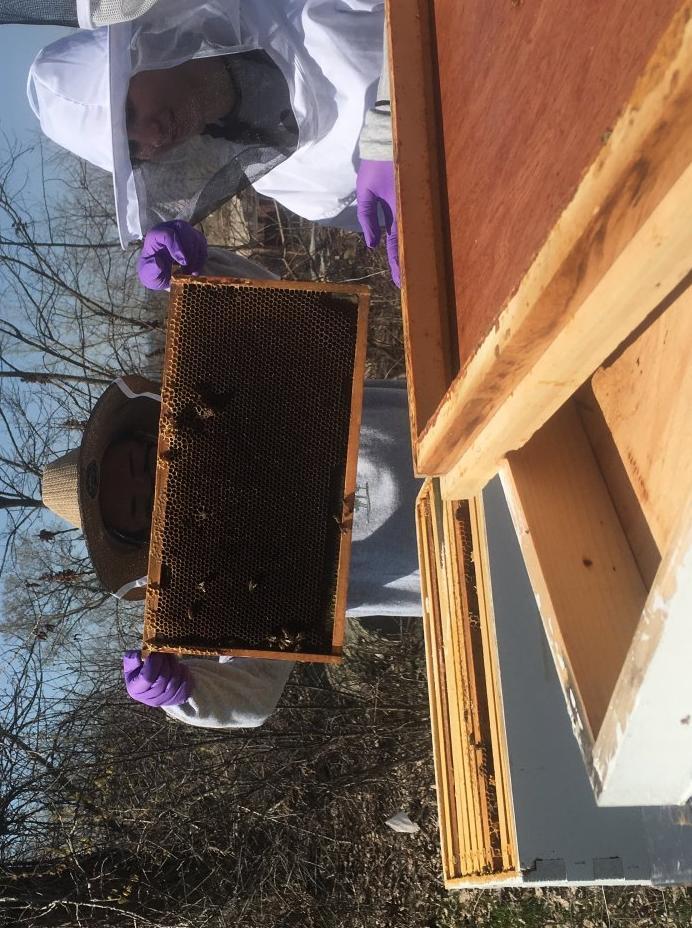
[(544, 162), (255, 479)]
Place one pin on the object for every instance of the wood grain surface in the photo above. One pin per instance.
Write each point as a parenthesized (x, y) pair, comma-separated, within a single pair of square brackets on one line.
[(530, 90), (621, 245), (588, 587), (646, 398)]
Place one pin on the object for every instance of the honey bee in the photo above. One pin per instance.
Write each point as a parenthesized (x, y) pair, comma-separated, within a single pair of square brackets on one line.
[(169, 455), (350, 503), (203, 585), (212, 401), (255, 581), (168, 425), (186, 422), (345, 525), (164, 581), (286, 640)]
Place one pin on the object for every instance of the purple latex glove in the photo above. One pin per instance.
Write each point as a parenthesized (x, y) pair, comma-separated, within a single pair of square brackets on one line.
[(166, 243), (375, 185), (159, 680)]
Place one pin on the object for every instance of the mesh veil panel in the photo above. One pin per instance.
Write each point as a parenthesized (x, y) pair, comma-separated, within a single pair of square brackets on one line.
[(106, 12), (195, 178), (39, 12), (64, 12)]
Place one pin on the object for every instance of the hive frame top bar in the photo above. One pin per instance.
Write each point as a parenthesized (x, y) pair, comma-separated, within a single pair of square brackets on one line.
[(359, 292)]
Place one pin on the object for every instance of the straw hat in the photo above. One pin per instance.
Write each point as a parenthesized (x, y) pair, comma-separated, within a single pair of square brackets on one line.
[(70, 486)]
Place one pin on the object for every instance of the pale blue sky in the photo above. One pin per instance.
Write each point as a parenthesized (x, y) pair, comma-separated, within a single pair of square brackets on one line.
[(18, 48)]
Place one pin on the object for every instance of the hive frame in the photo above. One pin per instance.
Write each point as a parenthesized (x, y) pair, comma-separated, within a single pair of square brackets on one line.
[(361, 294)]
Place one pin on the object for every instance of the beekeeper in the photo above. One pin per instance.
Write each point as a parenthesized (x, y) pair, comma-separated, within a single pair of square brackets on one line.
[(105, 487), (191, 102)]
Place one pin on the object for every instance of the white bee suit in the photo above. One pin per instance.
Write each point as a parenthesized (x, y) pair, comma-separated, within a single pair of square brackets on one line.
[(328, 51), (335, 83)]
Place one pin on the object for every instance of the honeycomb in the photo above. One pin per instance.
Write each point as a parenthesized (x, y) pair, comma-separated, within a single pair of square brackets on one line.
[(248, 523)]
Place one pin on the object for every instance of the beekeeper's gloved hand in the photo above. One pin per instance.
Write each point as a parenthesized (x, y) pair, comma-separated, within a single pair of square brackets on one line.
[(166, 244), (159, 680), (375, 185)]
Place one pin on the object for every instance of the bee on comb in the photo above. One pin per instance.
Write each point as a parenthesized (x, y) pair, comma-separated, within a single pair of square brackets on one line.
[(211, 401), (286, 640)]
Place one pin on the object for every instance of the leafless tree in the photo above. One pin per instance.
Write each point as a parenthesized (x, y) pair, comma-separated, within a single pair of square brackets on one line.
[(109, 814)]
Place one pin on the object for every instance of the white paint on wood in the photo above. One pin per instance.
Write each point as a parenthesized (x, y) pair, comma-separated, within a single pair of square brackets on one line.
[(643, 755)]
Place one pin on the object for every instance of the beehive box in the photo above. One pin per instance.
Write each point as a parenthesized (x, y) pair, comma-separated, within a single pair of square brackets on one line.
[(544, 169), (543, 166), (257, 452)]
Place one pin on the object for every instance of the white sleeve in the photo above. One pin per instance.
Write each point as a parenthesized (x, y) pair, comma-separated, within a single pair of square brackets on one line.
[(376, 134), (237, 693)]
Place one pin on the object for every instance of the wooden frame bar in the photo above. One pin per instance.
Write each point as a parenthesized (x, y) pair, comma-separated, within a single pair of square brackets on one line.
[(424, 261), (477, 829)]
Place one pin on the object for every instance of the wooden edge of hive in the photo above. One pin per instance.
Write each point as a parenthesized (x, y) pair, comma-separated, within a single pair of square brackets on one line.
[(460, 682), (425, 291), (507, 823), (621, 244), (448, 824)]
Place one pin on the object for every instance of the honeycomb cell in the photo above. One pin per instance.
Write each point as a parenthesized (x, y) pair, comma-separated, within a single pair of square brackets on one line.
[(253, 442)]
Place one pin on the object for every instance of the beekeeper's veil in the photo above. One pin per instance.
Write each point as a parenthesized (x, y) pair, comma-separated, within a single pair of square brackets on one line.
[(78, 89), (89, 14)]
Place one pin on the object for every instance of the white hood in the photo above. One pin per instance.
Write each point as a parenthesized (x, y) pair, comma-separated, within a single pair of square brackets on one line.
[(329, 52), (68, 90)]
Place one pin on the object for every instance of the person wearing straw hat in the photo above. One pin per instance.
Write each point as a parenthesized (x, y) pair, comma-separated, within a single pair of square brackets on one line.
[(192, 101), (105, 487)]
